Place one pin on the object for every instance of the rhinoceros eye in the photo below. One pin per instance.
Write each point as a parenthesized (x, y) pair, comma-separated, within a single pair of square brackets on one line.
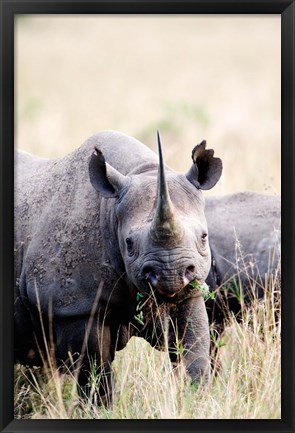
[(204, 236), (129, 244)]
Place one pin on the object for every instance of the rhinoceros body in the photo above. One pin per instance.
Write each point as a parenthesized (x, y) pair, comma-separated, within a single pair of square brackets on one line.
[(244, 235), (107, 242)]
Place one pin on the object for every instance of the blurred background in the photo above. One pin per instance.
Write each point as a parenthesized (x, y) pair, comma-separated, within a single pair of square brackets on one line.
[(192, 76)]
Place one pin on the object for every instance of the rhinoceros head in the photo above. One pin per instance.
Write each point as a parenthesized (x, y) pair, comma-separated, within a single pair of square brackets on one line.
[(161, 226)]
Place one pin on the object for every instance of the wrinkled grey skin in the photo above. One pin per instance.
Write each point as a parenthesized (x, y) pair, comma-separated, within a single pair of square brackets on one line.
[(244, 235), (91, 235)]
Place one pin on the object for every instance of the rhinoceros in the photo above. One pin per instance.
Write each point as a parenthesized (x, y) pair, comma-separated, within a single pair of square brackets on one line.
[(111, 243), (244, 236)]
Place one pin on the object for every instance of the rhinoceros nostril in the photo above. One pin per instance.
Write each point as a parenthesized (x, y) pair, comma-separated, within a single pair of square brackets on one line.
[(191, 268), (189, 274), (152, 277)]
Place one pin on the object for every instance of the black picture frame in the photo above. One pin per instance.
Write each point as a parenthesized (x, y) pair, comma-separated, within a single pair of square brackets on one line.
[(8, 9)]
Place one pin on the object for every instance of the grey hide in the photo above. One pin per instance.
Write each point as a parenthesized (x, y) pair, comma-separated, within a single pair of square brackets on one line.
[(106, 244), (244, 236)]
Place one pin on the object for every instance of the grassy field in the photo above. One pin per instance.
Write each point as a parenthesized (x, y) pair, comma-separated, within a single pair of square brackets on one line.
[(246, 384), (193, 77)]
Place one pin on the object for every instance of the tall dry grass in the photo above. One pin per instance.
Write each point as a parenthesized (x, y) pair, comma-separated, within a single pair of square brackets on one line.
[(245, 382)]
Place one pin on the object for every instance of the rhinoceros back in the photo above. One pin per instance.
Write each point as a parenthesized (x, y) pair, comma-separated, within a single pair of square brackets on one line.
[(244, 234), (58, 239)]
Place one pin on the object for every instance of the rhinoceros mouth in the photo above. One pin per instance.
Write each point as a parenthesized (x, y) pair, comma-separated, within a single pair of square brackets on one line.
[(164, 286), (166, 295), (175, 298), (172, 294)]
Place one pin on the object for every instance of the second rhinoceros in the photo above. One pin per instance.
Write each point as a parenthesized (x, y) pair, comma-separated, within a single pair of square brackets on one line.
[(244, 236)]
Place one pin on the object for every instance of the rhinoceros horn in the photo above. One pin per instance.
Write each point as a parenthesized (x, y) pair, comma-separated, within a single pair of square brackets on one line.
[(164, 222)]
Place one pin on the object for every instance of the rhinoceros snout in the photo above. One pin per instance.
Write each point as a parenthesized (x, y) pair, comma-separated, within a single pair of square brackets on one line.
[(169, 283)]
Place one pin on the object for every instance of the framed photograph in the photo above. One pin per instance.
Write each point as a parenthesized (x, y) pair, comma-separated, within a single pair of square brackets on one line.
[(145, 147)]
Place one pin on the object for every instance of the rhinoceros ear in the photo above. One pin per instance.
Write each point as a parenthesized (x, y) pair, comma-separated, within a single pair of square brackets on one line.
[(104, 178), (206, 169)]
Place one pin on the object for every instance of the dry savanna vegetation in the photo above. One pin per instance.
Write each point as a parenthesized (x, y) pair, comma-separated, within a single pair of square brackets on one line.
[(193, 77), (245, 381)]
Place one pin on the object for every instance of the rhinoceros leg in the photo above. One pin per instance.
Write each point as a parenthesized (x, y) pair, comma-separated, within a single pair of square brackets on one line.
[(189, 338), (87, 344), (187, 330)]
